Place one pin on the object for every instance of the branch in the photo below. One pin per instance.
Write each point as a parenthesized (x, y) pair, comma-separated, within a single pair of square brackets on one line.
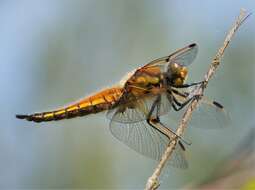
[(152, 182)]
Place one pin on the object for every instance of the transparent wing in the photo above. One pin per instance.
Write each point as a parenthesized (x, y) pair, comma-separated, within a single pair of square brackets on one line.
[(138, 109), (209, 114), (183, 57), (129, 113), (147, 141)]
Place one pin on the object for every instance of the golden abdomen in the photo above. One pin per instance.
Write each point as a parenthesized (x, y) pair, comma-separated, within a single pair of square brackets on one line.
[(101, 101)]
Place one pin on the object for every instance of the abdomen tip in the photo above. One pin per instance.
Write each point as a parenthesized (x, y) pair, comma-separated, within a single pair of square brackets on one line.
[(21, 116)]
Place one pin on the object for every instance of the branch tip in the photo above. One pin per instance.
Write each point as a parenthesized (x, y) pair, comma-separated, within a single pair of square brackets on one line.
[(152, 182)]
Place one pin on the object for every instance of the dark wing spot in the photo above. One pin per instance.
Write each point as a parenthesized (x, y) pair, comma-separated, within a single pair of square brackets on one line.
[(192, 45), (218, 105)]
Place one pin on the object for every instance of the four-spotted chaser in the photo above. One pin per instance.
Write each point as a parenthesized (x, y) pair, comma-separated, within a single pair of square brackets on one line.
[(136, 104)]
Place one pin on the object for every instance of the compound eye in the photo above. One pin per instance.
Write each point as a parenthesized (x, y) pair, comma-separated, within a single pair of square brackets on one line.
[(183, 74), (175, 65), (173, 68)]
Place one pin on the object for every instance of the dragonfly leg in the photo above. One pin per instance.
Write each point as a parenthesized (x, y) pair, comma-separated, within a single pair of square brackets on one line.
[(159, 126), (152, 121), (204, 99), (182, 94), (181, 105), (172, 99), (188, 85), (155, 104)]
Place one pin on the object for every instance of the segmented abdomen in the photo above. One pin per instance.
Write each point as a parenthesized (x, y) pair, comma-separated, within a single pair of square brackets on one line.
[(93, 104)]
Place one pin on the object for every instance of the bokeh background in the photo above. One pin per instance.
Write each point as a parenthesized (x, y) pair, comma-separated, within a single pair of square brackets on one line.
[(55, 52)]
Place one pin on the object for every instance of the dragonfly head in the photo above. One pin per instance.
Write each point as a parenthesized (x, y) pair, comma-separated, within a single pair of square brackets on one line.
[(177, 74)]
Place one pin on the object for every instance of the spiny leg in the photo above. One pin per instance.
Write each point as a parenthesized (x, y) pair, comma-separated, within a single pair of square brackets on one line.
[(182, 94), (187, 85), (186, 94), (172, 99), (153, 122), (181, 105)]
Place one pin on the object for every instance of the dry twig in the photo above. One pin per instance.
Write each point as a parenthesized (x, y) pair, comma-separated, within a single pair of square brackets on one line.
[(152, 182)]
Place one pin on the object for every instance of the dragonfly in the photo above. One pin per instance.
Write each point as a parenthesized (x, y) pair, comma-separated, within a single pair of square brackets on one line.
[(136, 104)]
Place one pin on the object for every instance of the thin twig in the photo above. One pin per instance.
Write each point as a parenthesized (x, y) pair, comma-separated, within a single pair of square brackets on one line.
[(152, 182)]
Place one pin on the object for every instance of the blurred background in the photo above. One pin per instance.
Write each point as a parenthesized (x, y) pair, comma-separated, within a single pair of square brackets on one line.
[(55, 52)]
